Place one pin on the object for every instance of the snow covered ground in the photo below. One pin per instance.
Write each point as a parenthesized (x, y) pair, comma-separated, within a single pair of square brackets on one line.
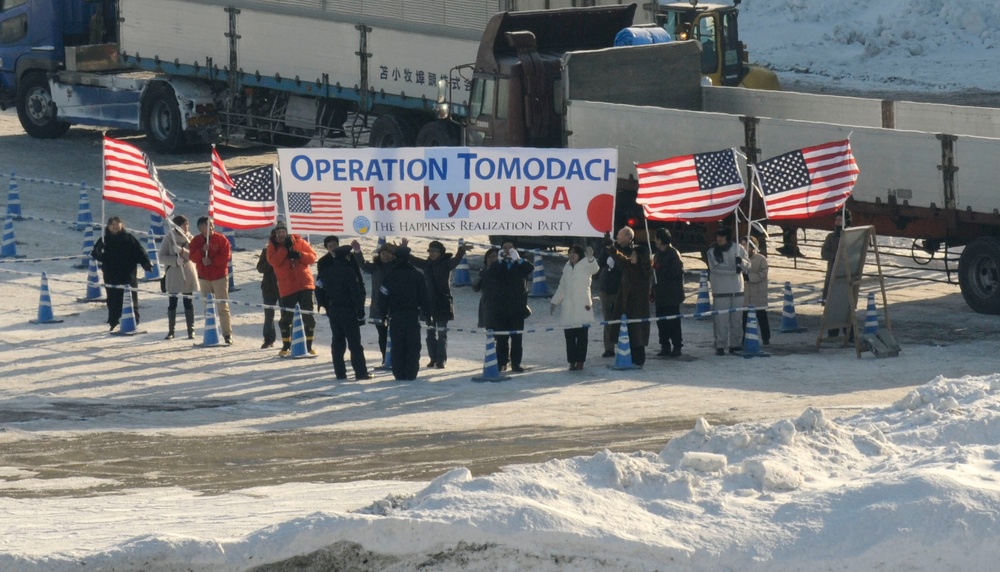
[(142, 454)]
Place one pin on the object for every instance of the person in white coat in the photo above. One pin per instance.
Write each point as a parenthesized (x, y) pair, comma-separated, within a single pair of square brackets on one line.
[(576, 307), (726, 265), (181, 276)]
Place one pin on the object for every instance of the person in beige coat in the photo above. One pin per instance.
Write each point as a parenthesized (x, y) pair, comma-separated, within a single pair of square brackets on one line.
[(181, 276), (756, 290)]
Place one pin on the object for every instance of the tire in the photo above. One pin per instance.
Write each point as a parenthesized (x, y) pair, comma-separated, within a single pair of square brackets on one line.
[(161, 116), (36, 110), (438, 134), (391, 131), (979, 275)]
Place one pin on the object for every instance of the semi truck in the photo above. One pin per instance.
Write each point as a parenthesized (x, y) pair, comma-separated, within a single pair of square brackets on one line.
[(928, 171), (283, 72)]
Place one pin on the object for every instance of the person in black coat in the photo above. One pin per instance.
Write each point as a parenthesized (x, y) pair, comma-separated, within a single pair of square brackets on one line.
[(485, 286), (509, 305), (404, 299), (331, 243), (119, 253), (345, 307), (437, 272), (269, 294), (668, 294)]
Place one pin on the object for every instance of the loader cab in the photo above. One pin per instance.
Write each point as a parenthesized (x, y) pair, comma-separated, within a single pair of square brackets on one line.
[(723, 56)]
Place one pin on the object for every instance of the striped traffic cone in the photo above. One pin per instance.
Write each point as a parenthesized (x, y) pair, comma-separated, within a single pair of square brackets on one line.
[(211, 337), (539, 286), (87, 248), (387, 362), (789, 323), (8, 248), (127, 326), (751, 339), (156, 225), (45, 315), (491, 371), (871, 316), (94, 293), (84, 218), (380, 243), (703, 305), (623, 352), (460, 277), (13, 199), (154, 260), (299, 347)]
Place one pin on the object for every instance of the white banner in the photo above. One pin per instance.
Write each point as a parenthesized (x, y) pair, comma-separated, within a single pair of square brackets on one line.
[(449, 191)]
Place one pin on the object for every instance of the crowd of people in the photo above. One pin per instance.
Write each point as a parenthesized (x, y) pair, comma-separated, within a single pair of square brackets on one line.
[(407, 290)]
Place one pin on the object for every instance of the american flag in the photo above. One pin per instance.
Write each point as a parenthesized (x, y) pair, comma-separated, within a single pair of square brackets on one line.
[(244, 201), (701, 187), (315, 212), (130, 179), (809, 182)]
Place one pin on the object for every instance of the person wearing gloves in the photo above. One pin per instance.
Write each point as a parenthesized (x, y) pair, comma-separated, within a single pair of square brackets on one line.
[(403, 296), (119, 252), (726, 265), (345, 307), (509, 305), (378, 268), (210, 252), (181, 275), (291, 256), (576, 308), (437, 272)]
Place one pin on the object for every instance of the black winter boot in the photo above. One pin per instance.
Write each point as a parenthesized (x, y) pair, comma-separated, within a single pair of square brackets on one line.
[(171, 322), (189, 318)]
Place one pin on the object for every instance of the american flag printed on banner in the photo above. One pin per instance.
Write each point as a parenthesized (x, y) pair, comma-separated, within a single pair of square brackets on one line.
[(130, 179), (320, 211), (809, 182), (242, 202), (701, 187)]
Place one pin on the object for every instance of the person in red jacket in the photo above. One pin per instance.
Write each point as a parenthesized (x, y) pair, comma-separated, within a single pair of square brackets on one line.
[(210, 253), (291, 256)]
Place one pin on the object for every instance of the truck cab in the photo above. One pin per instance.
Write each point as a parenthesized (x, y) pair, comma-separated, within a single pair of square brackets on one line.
[(716, 27)]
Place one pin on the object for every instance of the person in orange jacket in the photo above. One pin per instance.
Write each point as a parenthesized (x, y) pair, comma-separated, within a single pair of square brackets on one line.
[(210, 252), (291, 256)]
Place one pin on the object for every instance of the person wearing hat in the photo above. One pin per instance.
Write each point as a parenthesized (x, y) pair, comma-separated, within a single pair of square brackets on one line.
[(119, 252), (668, 294), (210, 251), (291, 256), (378, 268), (345, 307), (509, 305), (726, 265), (437, 269), (331, 243), (403, 297)]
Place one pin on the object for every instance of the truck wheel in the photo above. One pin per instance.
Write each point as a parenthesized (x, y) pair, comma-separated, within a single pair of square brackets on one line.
[(162, 118), (979, 275), (391, 131), (437, 134), (36, 110)]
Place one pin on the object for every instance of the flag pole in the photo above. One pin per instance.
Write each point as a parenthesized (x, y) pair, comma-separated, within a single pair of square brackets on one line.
[(649, 243)]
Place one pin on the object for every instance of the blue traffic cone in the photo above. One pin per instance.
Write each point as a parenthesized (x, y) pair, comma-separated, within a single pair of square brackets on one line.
[(156, 225), (751, 339), (45, 315), (491, 371), (84, 218), (789, 323), (703, 305), (539, 286), (8, 249), (13, 199), (230, 235), (94, 293), (87, 248), (871, 316), (380, 243), (127, 325), (299, 347), (232, 278), (461, 275), (623, 352), (211, 337), (154, 271), (387, 362)]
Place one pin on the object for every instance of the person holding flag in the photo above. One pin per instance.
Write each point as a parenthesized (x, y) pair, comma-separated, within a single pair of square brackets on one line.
[(210, 252)]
